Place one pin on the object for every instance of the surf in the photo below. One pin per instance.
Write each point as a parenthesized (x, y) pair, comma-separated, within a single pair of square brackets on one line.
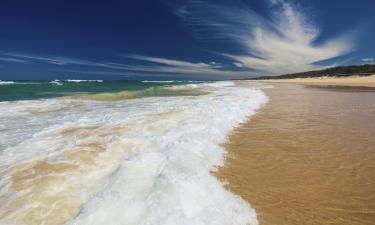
[(146, 160)]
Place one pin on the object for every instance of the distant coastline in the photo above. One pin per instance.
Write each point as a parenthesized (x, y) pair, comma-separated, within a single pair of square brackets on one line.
[(350, 76), (350, 81), (341, 71)]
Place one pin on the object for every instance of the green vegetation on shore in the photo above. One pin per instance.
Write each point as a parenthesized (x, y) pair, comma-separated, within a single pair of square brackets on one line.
[(341, 71)]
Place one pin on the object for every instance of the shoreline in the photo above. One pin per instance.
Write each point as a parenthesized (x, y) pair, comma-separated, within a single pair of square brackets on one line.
[(351, 81), (85, 158), (305, 156)]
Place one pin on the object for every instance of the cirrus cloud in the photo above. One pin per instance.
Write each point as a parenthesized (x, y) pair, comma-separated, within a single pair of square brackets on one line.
[(285, 41), (282, 40)]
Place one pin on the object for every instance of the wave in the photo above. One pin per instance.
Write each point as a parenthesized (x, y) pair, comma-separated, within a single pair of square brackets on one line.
[(18, 82), (171, 81), (80, 81), (57, 82), (6, 82), (139, 161)]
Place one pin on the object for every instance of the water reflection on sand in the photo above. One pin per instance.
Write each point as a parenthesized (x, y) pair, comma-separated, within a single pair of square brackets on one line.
[(307, 157)]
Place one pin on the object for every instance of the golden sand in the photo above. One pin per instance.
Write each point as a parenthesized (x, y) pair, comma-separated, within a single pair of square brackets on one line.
[(357, 81), (307, 157)]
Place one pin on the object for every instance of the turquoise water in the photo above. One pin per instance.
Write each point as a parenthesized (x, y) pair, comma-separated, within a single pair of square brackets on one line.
[(28, 90)]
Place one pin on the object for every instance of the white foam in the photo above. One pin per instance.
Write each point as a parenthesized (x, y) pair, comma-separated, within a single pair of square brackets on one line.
[(158, 81), (170, 81), (57, 82), (18, 82), (6, 82), (164, 177), (79, 81)]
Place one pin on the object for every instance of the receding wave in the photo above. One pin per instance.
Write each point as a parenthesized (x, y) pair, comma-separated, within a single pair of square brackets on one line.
[(139, 161)]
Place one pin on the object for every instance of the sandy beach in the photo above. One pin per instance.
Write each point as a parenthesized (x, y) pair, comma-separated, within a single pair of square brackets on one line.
[(307, 156), (352, 81)]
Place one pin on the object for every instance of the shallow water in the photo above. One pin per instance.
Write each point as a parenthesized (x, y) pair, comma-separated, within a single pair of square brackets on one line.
[(104, 159), (307, 157)]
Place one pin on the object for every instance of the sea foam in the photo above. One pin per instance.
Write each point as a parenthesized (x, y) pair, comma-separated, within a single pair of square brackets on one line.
[(6, 82), (153, 156)]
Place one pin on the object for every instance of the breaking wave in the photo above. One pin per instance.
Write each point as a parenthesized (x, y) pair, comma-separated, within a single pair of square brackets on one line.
[(142, 161)]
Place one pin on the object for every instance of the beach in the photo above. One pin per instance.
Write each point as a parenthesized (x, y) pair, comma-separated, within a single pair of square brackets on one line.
[(244, 152), (187, 112), (307, 156), (351, 81)]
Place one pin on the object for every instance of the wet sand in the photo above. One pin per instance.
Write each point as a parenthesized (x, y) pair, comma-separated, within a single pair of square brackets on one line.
[(307, 157)]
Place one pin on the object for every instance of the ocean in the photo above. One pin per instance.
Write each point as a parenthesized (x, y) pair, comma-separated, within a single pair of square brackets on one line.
[(106, 152)]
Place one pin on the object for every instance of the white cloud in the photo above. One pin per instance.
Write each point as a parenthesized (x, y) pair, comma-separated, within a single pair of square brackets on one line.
[(52, 60), (237, 64), (172, 66), (367, 59), (64, 61), (15, 60), (172, 62), (284, 42), (146, 65)]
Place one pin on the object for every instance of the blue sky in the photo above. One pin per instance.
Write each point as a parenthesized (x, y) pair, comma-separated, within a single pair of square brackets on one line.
[(181, 39)]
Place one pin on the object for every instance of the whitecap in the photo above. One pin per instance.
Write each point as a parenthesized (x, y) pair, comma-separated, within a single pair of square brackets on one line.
[(6, 82), (79, 81)]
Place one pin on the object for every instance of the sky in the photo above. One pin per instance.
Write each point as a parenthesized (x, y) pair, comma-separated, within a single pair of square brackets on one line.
[(181, 39)]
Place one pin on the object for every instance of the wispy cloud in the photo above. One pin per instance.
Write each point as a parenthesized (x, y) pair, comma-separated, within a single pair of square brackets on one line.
[(64, 61), (198, 70), (52, 60), (283, 42), (174, 63), (13, 60), (367, 59), (163, 65), (141, 66)]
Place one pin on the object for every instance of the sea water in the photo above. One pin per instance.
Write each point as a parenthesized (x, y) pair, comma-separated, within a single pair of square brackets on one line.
[(120, 153)]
